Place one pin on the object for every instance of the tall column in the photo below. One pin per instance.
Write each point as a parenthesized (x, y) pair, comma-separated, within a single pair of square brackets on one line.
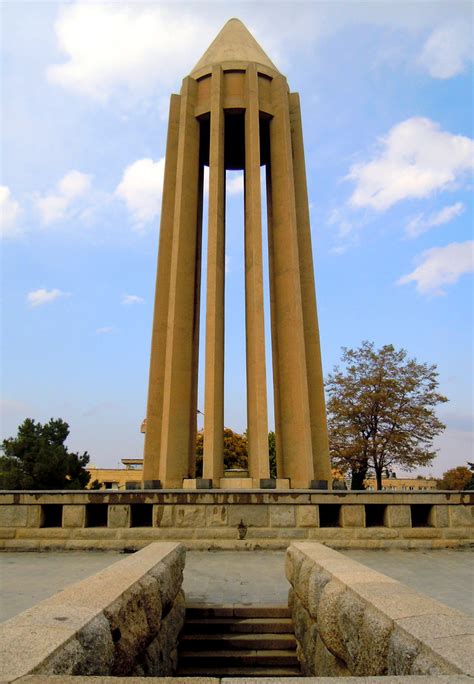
[(151, 463), (213, 466), (274, 326), (254, 316), (317, 405), (177, 424), (295, 438)]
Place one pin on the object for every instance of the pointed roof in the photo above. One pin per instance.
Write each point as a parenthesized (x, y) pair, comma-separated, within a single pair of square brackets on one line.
[(234, 43)]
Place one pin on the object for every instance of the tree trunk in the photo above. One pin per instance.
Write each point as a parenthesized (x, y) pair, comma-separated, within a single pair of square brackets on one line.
[(378, 475), (358, 476)]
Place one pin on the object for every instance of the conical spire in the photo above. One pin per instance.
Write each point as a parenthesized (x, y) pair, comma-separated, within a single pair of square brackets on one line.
[(234, 43)]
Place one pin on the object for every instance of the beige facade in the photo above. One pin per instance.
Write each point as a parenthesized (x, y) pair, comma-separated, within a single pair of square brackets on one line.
[(235, 111)]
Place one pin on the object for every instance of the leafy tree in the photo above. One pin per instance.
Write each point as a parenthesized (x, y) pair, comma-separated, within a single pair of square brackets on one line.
[(38, 459), (381, 412), (455, 478), (272, 454), (235, 450), (470, 484)]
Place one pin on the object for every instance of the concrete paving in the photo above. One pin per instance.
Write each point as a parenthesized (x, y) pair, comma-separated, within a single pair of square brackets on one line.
[(29, 577), (245, 577)]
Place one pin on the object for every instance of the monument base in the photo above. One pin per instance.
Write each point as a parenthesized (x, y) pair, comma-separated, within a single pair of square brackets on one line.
[(151, 484)]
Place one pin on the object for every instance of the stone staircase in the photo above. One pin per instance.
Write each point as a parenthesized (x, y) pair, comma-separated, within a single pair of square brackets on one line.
[(237, 641)]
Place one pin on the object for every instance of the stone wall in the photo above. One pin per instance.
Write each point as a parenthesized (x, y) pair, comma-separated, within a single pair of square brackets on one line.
[(124, 620), (241, 520), (351, 620)]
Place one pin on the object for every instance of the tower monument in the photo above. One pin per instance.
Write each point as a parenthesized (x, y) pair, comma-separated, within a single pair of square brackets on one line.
[(235, 111)]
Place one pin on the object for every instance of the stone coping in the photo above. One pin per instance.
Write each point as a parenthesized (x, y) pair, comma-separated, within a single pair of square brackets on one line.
[(415, 679), (63, 630), (363, 616), (183, 496)]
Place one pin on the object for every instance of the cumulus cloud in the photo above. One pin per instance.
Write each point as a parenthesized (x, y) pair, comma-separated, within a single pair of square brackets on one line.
[(415, 159), (141, 188), (447, 51), (64, 202), (42, 296), (10, 211), (133, 47), (421, 224), (441, 266), (132, 299)]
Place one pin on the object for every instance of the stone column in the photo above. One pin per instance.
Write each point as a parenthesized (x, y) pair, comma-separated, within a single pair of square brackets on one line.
[(213, 466), (179, 416), (317, 404), (254, 316), (274, 327), (151, 462), (295, 432)]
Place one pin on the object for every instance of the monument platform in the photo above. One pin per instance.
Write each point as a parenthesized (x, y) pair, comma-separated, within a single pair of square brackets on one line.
[(234, 519)]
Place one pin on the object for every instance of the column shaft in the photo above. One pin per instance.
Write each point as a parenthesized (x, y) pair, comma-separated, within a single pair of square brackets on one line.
[(178, 382), (274, 327), (295, 438), (255, 330), (317, 406), (151, 464), (213, 467)]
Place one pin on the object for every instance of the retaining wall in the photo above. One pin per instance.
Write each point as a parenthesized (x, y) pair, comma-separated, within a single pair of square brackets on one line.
[(351, 620), (124, 620), (227, 520)]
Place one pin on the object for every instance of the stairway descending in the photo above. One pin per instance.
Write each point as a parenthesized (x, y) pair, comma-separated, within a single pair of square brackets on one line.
[(237, 641)]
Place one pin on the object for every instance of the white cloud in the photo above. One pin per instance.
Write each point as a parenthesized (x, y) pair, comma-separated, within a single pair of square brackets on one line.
[(235, 184), (448, 50), (106, 330), (421, 223), (10, 211), (441, 266), (132, 299), (415, 159), (42, 296), (141, 188), (133, 47), (63, 204)]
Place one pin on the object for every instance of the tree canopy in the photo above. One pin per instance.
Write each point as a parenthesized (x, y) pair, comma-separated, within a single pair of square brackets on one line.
[(381, 412), (37, 458), (456, 478), (235, 450)]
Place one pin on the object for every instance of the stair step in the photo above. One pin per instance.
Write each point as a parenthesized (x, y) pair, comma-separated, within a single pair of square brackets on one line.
[(204, 670), (222, 625), (262, 610), (258, 642), (226, 658)]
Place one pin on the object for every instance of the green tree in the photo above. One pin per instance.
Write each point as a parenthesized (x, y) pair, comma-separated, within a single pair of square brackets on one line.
[(38, 459), (272, 454), (381, 412), (455, 478), (235, 450)]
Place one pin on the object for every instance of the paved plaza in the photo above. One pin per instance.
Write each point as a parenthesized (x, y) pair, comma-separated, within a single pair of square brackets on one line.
[(245, 577)]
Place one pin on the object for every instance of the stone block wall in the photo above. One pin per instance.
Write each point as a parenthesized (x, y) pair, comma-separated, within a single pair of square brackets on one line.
[(235, 520), (123, 621), (353, 621)]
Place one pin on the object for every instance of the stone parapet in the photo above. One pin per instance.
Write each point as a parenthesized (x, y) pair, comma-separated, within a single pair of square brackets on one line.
[(234, 519), (430, 679), (353, 621), (124, 620)]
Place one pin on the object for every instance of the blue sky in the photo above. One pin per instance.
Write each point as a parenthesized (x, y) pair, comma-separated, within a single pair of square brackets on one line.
[(386, 91)]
